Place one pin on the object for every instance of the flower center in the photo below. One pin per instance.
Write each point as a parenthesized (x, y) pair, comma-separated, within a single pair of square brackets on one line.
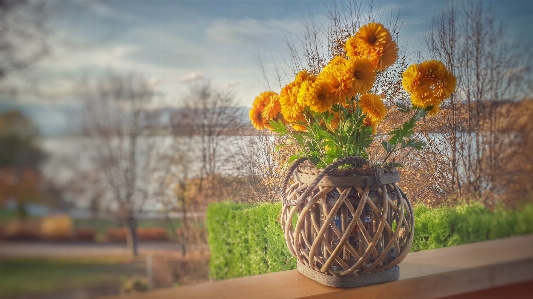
[(372, 39), (321, 97), (358, 75)]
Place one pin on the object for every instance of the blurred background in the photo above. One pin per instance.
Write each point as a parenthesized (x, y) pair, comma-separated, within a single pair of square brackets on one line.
[(121, 121)]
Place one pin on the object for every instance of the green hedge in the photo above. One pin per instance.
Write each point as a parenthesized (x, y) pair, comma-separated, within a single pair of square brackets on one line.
[(468, 223), (246, 239)]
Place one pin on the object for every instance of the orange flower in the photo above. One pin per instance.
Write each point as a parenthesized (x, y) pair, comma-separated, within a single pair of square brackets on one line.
[(318, 97), (374, 42), (288, 97), (272, 105), (338, 82), (351, 47), (360, 75), (305, 89), (411, 78), (372, 37), (256, 116), (373, 107), (385, 57), (429, 83)]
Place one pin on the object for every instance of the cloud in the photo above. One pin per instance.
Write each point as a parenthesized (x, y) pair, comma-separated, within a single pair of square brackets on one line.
[(191, 77), (104, 10), (122, 51), (231, 84), (237, 31), (517, 71), (164, 47)]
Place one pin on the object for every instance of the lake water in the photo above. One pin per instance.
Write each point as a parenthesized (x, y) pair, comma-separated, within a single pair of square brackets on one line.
[(69, 155)]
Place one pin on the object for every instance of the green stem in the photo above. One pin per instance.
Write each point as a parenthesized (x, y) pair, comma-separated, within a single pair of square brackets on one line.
[(414, 118), (388, 154)]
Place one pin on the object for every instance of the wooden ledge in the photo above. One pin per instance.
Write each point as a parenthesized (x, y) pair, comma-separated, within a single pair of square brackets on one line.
[(438, 273)]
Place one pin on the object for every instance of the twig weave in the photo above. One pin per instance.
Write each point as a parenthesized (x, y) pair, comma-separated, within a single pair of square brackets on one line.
[(347, 228)]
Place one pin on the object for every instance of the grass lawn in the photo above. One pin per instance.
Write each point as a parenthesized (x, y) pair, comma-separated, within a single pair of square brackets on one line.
[(24, 277), (101, 225), (7, 215)]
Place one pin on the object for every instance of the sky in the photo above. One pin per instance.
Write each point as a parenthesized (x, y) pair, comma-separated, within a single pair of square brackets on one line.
[(174, 42)]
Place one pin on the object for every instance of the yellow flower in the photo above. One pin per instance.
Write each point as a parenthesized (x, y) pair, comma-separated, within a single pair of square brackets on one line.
[(256, 113), (374, 42), (351, 47), (360, 75), (305, 88), (411, 78), (429, 83), (337, 61), (372, 37), (272, 109), (385, 57), (288, 97), (338, 76), (436, 76), (318, 97), (373, 107)]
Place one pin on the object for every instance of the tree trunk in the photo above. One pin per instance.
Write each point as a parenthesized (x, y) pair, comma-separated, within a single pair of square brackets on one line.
[(131, 236), (184, 226)]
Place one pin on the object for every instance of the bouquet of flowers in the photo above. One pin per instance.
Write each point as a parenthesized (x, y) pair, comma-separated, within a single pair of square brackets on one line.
[(333, 115)]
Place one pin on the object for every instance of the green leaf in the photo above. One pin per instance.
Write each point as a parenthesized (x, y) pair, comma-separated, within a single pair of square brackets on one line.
[(403, 143), (323, 133), (419, 145), (416, 144), (299, 139), (404, 131), (278, 127)]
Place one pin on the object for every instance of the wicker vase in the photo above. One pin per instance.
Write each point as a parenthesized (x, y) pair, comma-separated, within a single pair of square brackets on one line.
[(347, 228)]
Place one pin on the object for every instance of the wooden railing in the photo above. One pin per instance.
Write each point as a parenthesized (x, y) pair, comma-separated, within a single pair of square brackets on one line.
[(500, 268)]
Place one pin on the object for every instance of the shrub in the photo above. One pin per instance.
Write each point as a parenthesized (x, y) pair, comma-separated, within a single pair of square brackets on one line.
[(467, 223), (247, 239)]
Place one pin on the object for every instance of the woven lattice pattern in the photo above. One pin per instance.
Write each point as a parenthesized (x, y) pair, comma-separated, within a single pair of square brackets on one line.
[(341, 227)]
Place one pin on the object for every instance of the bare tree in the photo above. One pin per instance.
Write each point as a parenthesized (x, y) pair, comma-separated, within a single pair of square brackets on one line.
[(121, 145), (262, 164), (476, 141), (25, 38), (213, 117), (204, 136)]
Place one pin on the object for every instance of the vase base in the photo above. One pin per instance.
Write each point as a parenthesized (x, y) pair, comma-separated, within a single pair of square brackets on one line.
[(350, 281)]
